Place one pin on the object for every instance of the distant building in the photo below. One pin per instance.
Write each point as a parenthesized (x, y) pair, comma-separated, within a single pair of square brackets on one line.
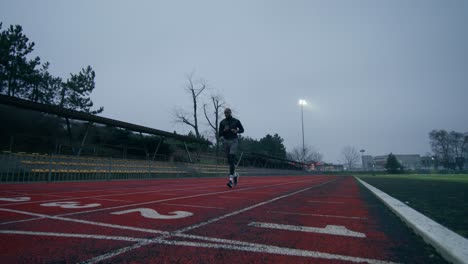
[(409, 162)]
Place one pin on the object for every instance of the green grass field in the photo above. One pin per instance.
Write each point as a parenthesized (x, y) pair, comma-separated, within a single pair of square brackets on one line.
[(441, 197)]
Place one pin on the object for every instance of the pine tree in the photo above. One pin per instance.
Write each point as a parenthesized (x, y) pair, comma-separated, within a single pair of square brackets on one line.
[(393, 165), (16, 69)]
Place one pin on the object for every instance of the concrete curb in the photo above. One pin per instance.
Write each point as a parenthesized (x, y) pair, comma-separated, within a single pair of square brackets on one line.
[(450, 245)]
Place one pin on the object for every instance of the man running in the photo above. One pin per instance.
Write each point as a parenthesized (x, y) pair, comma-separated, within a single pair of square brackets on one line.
[(228, 130)]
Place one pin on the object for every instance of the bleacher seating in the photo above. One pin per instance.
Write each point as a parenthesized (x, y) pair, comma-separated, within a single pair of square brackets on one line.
[(22, 166)]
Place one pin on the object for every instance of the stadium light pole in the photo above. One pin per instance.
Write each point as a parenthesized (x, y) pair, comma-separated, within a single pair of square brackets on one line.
[(302, 103)]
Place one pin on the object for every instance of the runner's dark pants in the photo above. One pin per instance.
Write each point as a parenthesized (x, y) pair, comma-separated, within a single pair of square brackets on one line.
[(230, 148)]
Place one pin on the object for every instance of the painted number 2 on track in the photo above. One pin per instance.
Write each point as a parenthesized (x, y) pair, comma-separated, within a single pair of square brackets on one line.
[(153, 214)]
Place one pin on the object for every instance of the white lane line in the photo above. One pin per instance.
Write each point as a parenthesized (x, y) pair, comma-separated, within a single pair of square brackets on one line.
[(68, 235), (161, 187), (451, 245), (118, 207), (325, 202), (236, 245), (257, 248), (21, 221), (158, 231), (180, 231), (277, 251), (230, 197), (60, 217), (197, 206), (258, 192), (248, 208), (106, 195), (17, 193), (152, 231), (336, 196), (329, 229), (182, 197), (87, 222), (52, 195), (15, 199), (158, 191), (113, 200), (320, 215)]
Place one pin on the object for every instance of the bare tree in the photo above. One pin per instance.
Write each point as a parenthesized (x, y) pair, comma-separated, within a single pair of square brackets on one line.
[(457, 141), (350, 156), (194, 88), (307, 154), (218, 104), (449, 147)]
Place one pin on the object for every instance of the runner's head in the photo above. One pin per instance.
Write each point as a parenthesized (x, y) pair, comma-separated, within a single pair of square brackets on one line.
[(227, 112)]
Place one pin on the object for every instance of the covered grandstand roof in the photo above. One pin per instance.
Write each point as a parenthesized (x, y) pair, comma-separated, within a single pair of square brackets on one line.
[(78, 115)]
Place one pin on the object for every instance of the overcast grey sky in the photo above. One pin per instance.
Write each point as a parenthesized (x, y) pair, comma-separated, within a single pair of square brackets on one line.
[(378, 75)]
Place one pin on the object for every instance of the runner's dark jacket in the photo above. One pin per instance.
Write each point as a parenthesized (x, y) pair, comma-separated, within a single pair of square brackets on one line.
[(230, 123)]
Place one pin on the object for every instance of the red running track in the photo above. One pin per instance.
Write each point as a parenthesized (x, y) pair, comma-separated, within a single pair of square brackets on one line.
[(290, 219)]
